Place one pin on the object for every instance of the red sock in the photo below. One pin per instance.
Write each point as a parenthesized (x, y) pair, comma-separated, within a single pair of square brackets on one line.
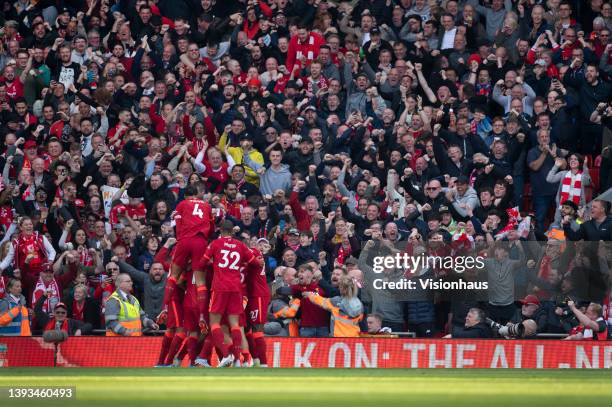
[(191, 347), (246, 356), (218, 338), (260, 347), (184, 349), (199, 346), (175, 347), (202, 298), (207, 348), (170, 289), (166, 341), (236, 341), (249, 338)]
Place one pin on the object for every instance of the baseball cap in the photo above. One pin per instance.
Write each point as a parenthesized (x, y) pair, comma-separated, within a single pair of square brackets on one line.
[(540, 62), (60, 305), (293, 231), (254, 82), (246, 136), (306, 140), (462, 179), (443, 209), (310, 107), (375, 31), (29, 144), (530, 299)]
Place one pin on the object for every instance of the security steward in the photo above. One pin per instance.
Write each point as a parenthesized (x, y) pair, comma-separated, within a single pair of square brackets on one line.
[(122, 312)]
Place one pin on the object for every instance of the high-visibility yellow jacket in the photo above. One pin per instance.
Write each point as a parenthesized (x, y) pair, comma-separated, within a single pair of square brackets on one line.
[(342, 324), (128, 316)]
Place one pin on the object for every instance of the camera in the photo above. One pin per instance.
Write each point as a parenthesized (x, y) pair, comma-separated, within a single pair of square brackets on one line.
[(514, 331)]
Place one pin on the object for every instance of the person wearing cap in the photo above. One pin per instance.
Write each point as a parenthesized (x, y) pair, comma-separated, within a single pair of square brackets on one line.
[(302, 158), (238, 155), (59, 321), (531, 308), (374, 46)]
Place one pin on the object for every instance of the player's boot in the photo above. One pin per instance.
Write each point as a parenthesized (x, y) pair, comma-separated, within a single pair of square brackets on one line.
[(237, 363), (226, 361), (176, 362), (247, 362), (263, 365), (201, 362), (160, 366)]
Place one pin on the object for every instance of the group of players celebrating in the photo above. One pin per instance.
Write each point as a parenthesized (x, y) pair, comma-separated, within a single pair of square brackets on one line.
[(216, 296)]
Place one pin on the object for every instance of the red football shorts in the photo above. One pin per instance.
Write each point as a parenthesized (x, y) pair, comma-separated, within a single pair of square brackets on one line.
[(192, 248), (257, 310), (226, 303), (191, 319), (175, 314)]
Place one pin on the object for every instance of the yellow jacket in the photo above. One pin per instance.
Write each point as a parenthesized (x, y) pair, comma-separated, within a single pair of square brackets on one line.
[(237, 155)]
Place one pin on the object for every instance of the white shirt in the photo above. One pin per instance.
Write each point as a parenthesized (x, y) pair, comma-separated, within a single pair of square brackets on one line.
[(448, 40)]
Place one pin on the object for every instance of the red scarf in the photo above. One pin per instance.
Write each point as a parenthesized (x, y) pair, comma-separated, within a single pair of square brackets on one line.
[(51, 325), (86, 259), (343, 253), (78, 311), (24, 245), (41, 289), (571, 188)]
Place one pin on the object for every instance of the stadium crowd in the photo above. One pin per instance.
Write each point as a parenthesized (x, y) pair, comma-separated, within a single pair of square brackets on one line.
[(326, 132)]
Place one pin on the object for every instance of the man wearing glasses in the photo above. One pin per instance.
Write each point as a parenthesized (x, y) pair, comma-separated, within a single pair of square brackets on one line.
[(123, 314), (59, 320)]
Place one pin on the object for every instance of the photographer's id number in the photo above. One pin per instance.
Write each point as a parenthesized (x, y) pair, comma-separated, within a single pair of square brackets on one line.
[(37, 392)]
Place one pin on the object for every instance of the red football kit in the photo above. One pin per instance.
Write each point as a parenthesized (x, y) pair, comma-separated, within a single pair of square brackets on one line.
[(257, 290), (191, 317), (228, 256), (194, 223)]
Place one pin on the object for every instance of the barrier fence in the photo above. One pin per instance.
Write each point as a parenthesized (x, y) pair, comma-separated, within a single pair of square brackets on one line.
[(325, 352)]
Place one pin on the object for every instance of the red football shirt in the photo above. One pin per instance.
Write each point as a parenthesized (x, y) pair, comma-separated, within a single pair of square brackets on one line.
[(256, 283), (193, 217), (190, 299), (228, 256)]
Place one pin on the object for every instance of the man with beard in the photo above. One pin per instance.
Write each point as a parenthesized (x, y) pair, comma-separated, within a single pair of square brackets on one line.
[(63, 70)]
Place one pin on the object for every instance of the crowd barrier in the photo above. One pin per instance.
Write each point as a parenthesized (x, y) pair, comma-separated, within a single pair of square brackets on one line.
[(325, 352)]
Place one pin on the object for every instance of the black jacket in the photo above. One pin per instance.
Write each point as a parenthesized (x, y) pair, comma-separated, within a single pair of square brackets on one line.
[(589, 231), (480, 330)]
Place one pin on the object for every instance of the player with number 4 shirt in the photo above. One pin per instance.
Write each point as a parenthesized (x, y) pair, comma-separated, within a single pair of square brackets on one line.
[(194, 224)]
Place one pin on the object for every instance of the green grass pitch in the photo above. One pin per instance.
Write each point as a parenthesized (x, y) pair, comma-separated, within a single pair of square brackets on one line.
[(315, 387)]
